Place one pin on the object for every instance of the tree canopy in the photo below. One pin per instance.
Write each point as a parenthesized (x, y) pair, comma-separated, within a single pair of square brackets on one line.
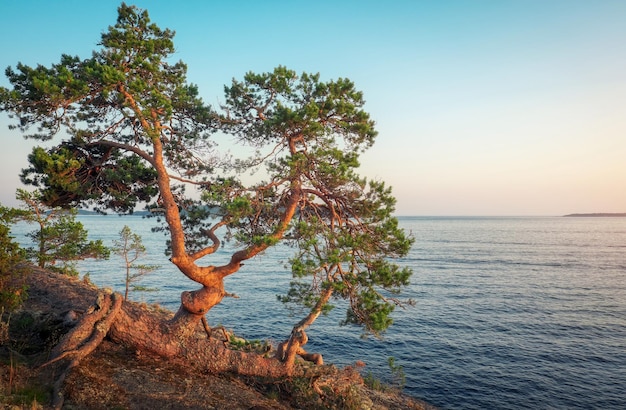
[(130, 130)]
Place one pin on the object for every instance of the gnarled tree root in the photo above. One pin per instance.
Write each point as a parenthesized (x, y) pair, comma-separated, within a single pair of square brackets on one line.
[(289, 349), (84, 338)]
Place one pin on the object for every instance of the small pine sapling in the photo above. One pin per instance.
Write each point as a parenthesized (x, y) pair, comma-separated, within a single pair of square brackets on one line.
[(130, 247)]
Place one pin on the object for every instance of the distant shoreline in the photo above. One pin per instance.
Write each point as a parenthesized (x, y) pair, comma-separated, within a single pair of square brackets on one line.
[(597, 215), (582, 215)]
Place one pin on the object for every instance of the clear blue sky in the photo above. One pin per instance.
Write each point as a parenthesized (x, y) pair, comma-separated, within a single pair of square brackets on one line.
[(484, 107)]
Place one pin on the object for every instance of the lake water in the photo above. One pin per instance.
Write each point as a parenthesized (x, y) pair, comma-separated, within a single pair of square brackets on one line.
[(511, 313)]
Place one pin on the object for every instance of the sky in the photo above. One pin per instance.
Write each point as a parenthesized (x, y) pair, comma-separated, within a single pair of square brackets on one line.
[(483, 107)]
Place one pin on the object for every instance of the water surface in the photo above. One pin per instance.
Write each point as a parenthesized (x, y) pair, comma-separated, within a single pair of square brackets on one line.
[(511, 312)]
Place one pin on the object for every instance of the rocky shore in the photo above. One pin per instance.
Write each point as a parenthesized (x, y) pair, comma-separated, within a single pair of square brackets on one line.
[(116, 377)]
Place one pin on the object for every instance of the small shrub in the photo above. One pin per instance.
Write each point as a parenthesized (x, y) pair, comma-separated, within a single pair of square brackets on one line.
[(258, 346), (130, 247), (12, 270), (4, 327), (373, 382), (30, 396), (60, 240), (398, 378)]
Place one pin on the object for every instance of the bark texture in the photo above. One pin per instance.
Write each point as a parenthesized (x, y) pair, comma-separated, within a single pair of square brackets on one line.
[(84, 338), (147, 332)]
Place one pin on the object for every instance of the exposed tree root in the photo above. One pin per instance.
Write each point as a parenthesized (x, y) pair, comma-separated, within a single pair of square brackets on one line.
[(289, 349), (160, 334), (84, 338), (144, 331)]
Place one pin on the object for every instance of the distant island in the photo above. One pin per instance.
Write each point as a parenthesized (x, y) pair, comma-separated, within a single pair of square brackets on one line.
[(90, 212), (597, 215)]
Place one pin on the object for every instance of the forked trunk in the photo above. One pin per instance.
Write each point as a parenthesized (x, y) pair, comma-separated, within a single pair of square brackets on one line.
[(181, 337)]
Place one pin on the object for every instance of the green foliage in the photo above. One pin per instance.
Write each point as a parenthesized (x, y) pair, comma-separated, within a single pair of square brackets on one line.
[(74, 173), (12, 290), (351, 250), (139, 133), (397, 373), (284, 102), (140, 288), (397, 382), (61, 241), (237, 343), (304, 294), (130, 247), (344, 231), (30, 396), (112, 106)]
